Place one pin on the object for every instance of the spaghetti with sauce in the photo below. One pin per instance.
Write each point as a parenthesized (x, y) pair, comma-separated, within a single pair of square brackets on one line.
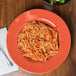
[(38, 41)]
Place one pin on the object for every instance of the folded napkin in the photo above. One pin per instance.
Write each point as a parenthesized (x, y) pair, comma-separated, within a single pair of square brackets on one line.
[(5, 67)]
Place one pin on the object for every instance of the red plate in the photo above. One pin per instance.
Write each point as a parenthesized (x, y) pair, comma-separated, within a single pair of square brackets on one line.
[(49, 18)]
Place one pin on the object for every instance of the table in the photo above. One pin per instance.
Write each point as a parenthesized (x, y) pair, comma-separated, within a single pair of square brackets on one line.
[(10, 9)]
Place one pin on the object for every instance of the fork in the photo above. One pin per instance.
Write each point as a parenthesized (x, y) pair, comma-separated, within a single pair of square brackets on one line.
[(1, 49)]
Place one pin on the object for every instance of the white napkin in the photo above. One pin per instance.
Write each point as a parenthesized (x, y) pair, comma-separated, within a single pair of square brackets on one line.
[(4, 64)]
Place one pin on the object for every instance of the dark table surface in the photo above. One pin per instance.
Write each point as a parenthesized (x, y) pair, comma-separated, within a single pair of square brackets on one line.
[(10, 9)]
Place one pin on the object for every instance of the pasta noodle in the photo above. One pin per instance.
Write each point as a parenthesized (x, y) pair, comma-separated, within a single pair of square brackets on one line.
[(38, 41)]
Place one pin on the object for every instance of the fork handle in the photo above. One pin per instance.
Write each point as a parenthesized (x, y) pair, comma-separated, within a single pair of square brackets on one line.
[(7, 57)]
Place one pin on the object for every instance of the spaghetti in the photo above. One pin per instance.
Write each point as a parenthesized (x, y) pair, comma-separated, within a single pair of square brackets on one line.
[(38, 41)]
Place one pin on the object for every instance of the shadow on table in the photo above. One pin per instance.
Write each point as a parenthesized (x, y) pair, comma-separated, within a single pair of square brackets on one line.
[(66, 12)]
